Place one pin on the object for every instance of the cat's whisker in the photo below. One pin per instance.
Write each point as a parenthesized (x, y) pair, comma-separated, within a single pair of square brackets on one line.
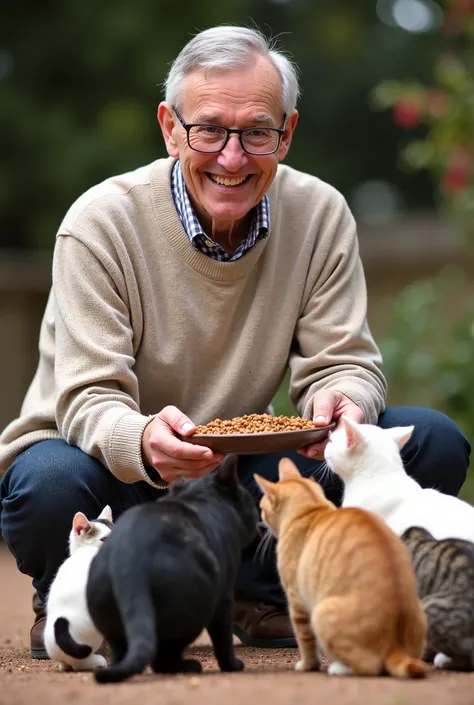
[(264, 545), (322, 473)]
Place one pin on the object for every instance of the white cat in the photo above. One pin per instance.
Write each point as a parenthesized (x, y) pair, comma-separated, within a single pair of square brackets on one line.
[(368, 461), (70, 636)]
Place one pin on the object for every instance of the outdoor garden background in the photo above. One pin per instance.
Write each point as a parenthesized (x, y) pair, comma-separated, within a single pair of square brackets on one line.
[(386, 115)]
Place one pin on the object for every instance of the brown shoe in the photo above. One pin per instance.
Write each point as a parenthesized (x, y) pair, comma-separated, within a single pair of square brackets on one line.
[(261, 625), (37, 630), (38, 650)]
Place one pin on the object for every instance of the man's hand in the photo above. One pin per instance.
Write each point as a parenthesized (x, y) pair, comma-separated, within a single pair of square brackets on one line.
[(170, 456), (330, 406)]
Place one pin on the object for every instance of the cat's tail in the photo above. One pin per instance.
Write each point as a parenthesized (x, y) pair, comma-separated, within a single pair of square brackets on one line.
[(399, 664), (65, 641), (135, 603)]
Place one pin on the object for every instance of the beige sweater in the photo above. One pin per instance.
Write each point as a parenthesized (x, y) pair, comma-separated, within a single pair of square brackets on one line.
[(138, 319)]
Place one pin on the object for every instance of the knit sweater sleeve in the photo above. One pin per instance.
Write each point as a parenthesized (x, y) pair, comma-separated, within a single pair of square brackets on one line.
[(97, 399), (333, 347)]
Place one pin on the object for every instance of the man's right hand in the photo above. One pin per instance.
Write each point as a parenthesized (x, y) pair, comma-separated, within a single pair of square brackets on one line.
[(171, 457)]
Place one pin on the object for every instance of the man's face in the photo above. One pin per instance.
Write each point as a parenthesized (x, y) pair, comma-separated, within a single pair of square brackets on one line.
[(240, 98)]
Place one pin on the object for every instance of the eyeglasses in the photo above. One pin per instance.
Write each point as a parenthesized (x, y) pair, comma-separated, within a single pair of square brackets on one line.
[(203, 137)]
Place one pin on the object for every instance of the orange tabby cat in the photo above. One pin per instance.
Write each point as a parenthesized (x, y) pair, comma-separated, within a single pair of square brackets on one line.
[(349, 581)]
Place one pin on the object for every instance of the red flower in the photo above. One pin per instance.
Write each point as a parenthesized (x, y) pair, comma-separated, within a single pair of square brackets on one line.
[(406, 113), (457, 176), (463, 7)]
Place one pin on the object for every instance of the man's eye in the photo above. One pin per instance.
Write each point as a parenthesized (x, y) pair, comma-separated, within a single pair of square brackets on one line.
[(258, 133)]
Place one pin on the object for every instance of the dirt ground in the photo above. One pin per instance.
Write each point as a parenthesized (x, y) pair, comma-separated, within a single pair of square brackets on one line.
[(269, 678)]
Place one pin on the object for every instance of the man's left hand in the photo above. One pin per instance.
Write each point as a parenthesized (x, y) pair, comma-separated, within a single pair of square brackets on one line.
[(330, 406)]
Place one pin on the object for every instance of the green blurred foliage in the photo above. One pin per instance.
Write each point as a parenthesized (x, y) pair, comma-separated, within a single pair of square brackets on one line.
[(80, 82), (445, 111), (429, 351)]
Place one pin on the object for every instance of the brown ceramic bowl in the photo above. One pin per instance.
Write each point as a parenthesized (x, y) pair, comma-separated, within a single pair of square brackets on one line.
[(254, 443)]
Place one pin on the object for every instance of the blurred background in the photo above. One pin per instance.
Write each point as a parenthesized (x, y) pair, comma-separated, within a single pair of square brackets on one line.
[(386, 116)]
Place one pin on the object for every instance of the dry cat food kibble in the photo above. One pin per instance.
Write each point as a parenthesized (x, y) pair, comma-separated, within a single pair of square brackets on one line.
[(255, 423)]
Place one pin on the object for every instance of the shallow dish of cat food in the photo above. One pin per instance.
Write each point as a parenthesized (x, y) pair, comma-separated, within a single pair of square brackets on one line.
[(258, 433)]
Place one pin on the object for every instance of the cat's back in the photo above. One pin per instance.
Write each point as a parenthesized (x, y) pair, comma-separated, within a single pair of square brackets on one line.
[(443, 566), (156, 534), (353, 551), (144, 523), (442, 515), (71, 577)]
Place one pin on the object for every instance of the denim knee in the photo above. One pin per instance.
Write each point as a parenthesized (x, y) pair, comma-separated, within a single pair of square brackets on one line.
[(51, 476), (40, 493), (437, 454)]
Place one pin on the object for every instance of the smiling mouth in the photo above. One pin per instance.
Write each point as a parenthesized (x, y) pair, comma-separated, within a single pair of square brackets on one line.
[(227, 181)]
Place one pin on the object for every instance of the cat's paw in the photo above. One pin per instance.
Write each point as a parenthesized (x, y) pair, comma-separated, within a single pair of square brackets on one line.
[(191, 665), (235, 665), (442, 661), (336, 668), (99, 661), (302, 665)]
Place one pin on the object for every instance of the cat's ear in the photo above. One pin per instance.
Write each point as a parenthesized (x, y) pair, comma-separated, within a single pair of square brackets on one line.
[(227, 476), (287, 470), (354, 436), (400, 434), (106, 513), (80, 523), (269, 489)]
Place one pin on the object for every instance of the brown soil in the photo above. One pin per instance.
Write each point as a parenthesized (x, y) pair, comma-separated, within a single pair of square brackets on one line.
[(269, 678)]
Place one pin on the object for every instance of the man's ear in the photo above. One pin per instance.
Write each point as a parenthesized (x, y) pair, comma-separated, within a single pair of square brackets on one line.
[(285, 142), (165, 117)]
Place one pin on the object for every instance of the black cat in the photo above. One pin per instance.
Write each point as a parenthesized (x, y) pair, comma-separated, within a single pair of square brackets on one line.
[(167, 571)]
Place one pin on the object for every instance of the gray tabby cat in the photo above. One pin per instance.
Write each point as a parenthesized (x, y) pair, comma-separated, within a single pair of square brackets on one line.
[(445, 577)]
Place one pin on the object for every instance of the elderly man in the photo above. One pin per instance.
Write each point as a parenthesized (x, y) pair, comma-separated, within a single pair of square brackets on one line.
[(181, 292)]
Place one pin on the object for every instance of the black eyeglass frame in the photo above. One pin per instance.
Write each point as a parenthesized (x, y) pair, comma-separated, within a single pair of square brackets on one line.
[(229, 130)]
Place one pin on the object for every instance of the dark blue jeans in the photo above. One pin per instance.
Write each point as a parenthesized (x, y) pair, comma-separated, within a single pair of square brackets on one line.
[(51, 481)]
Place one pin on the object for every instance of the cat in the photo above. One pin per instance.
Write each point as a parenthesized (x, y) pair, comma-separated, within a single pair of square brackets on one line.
[(349, 581), (168, 572), (367, 459), (69, 636), (445, 577)]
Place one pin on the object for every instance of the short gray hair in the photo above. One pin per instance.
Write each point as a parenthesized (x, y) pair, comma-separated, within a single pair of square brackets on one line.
[(227, 47)]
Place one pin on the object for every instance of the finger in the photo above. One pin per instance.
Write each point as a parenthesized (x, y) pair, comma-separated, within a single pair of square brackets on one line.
[(324, 402), (165, 442), (355, 413), (315, 450), (177, 420), (162, 462), (173, 474)]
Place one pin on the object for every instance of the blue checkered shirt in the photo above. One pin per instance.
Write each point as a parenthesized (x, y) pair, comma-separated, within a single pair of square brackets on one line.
[(258, 228)]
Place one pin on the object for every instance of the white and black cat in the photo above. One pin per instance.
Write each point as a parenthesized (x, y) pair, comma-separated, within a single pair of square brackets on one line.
[(367, 459), (70, 636), (168, 571)]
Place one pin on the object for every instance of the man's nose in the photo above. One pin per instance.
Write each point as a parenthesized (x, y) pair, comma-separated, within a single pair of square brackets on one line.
[(233, 157)]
